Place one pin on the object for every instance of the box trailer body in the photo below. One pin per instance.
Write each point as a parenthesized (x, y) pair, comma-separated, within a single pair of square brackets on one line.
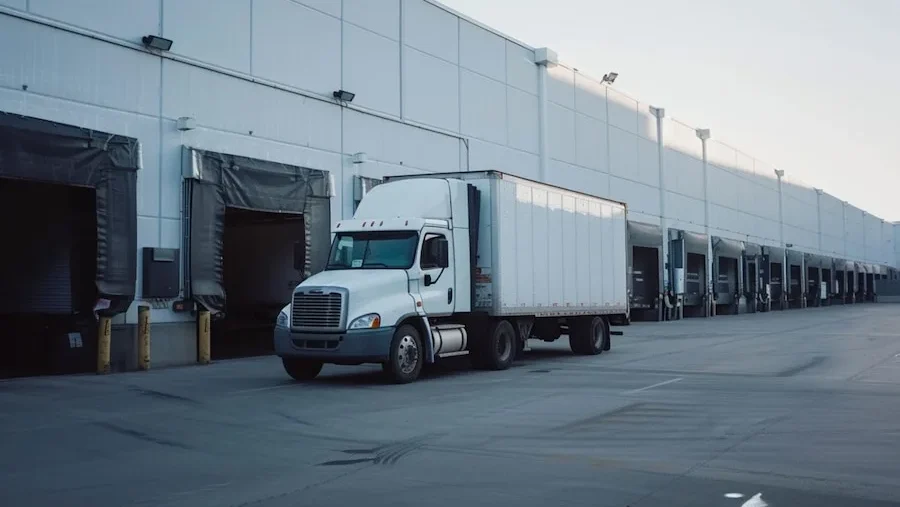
[(464, 263)]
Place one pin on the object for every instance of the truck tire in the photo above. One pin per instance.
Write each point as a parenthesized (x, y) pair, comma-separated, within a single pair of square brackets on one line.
[(588, 336), (498, 350), (407, 355), (301, 369)]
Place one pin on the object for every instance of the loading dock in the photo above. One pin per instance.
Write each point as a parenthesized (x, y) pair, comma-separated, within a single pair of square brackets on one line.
[(796, 276), (870, 282), (753, 294), (840, 282), (817, 280), (859, 292), (68, 198), (259, 276), (689, 267), (256, 228), (727, 255), (777, 275), (828, 283), (644, 261), (849, 281)]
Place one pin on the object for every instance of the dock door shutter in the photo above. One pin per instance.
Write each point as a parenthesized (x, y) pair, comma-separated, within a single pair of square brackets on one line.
[(39, 150), (36, 265), (216, 181)]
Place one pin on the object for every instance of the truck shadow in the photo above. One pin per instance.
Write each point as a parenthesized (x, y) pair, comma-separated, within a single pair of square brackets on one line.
[(443, 369), (449, 368)]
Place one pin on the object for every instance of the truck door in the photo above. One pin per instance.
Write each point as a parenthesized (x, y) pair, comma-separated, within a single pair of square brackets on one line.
[(438, 278)]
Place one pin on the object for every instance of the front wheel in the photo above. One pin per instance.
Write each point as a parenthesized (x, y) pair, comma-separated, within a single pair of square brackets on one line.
[(301, 369), (407, 355)]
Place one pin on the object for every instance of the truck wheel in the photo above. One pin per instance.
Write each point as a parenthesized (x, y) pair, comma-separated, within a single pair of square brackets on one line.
[(499, 350), (576, 334), (301, 369), (589, 336), (407, 355)]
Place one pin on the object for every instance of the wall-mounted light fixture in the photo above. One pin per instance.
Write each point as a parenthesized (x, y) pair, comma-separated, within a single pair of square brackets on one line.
[(158, 43), (186, 123), (610, 78), (344, 95)]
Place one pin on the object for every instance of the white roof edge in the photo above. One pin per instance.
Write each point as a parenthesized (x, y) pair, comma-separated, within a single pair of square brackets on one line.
[(479, 24)]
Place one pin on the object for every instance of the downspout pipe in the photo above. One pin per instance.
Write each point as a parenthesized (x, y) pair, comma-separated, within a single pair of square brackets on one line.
[(544, 58), (666, 287), (785, 283)]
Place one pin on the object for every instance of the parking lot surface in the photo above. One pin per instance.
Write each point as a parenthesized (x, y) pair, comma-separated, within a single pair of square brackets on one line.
[(796, 408)]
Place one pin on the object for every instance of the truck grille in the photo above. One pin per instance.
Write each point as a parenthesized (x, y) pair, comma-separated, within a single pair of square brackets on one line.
[(317, 310)]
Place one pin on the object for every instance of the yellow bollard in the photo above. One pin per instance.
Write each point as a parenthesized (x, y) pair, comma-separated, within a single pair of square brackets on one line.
[(203, 337), (104, 332), (144, 337)]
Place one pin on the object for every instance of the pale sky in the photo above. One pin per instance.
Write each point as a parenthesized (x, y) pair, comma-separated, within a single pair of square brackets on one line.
[(809, 86)]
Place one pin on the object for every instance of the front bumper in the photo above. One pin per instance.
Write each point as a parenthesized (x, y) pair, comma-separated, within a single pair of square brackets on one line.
[(350, 347)]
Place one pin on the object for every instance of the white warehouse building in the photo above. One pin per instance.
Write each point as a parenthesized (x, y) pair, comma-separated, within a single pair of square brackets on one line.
[(180, 175)]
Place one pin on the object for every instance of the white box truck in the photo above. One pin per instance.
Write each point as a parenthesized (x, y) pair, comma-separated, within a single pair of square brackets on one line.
[(472, 263)]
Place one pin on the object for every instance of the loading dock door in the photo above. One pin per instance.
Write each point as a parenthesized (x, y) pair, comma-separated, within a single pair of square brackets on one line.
[(813, 285), (840, 284), (43, 151), (695, 279), (751, 283), (796, 290), (645, 277), (775, 274), (726, 280), (216, 181)]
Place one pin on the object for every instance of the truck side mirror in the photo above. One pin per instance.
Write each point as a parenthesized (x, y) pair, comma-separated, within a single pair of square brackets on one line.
[(299, 255)]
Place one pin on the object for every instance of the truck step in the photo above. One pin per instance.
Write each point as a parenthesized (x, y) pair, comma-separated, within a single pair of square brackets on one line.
[(454, 354)]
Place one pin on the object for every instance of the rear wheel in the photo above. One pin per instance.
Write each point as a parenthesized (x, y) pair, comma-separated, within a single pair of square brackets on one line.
[(407, 357), (589, 336), (498, 350), (301, 369)]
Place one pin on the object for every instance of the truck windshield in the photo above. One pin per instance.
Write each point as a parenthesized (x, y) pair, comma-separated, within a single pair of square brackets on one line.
[(373, 250)]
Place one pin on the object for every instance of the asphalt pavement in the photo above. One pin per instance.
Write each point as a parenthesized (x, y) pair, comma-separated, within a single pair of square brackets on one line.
[(797, 408)]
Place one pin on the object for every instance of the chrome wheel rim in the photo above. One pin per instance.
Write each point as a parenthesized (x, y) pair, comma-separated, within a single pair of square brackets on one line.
[(408, 354)]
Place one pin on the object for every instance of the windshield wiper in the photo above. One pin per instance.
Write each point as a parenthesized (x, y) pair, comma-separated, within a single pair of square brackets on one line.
[(375, 264)]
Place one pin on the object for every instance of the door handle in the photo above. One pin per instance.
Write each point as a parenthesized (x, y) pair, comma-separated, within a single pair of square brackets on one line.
[(449, 295)]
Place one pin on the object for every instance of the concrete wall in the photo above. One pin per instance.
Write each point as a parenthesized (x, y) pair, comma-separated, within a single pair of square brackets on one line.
[(434, 92)]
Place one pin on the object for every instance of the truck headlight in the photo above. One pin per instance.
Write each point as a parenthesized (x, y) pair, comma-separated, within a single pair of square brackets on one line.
[(370, 321), (282, 320)]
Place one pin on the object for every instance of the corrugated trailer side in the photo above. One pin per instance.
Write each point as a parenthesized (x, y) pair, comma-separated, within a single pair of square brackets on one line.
[(555, 252)]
